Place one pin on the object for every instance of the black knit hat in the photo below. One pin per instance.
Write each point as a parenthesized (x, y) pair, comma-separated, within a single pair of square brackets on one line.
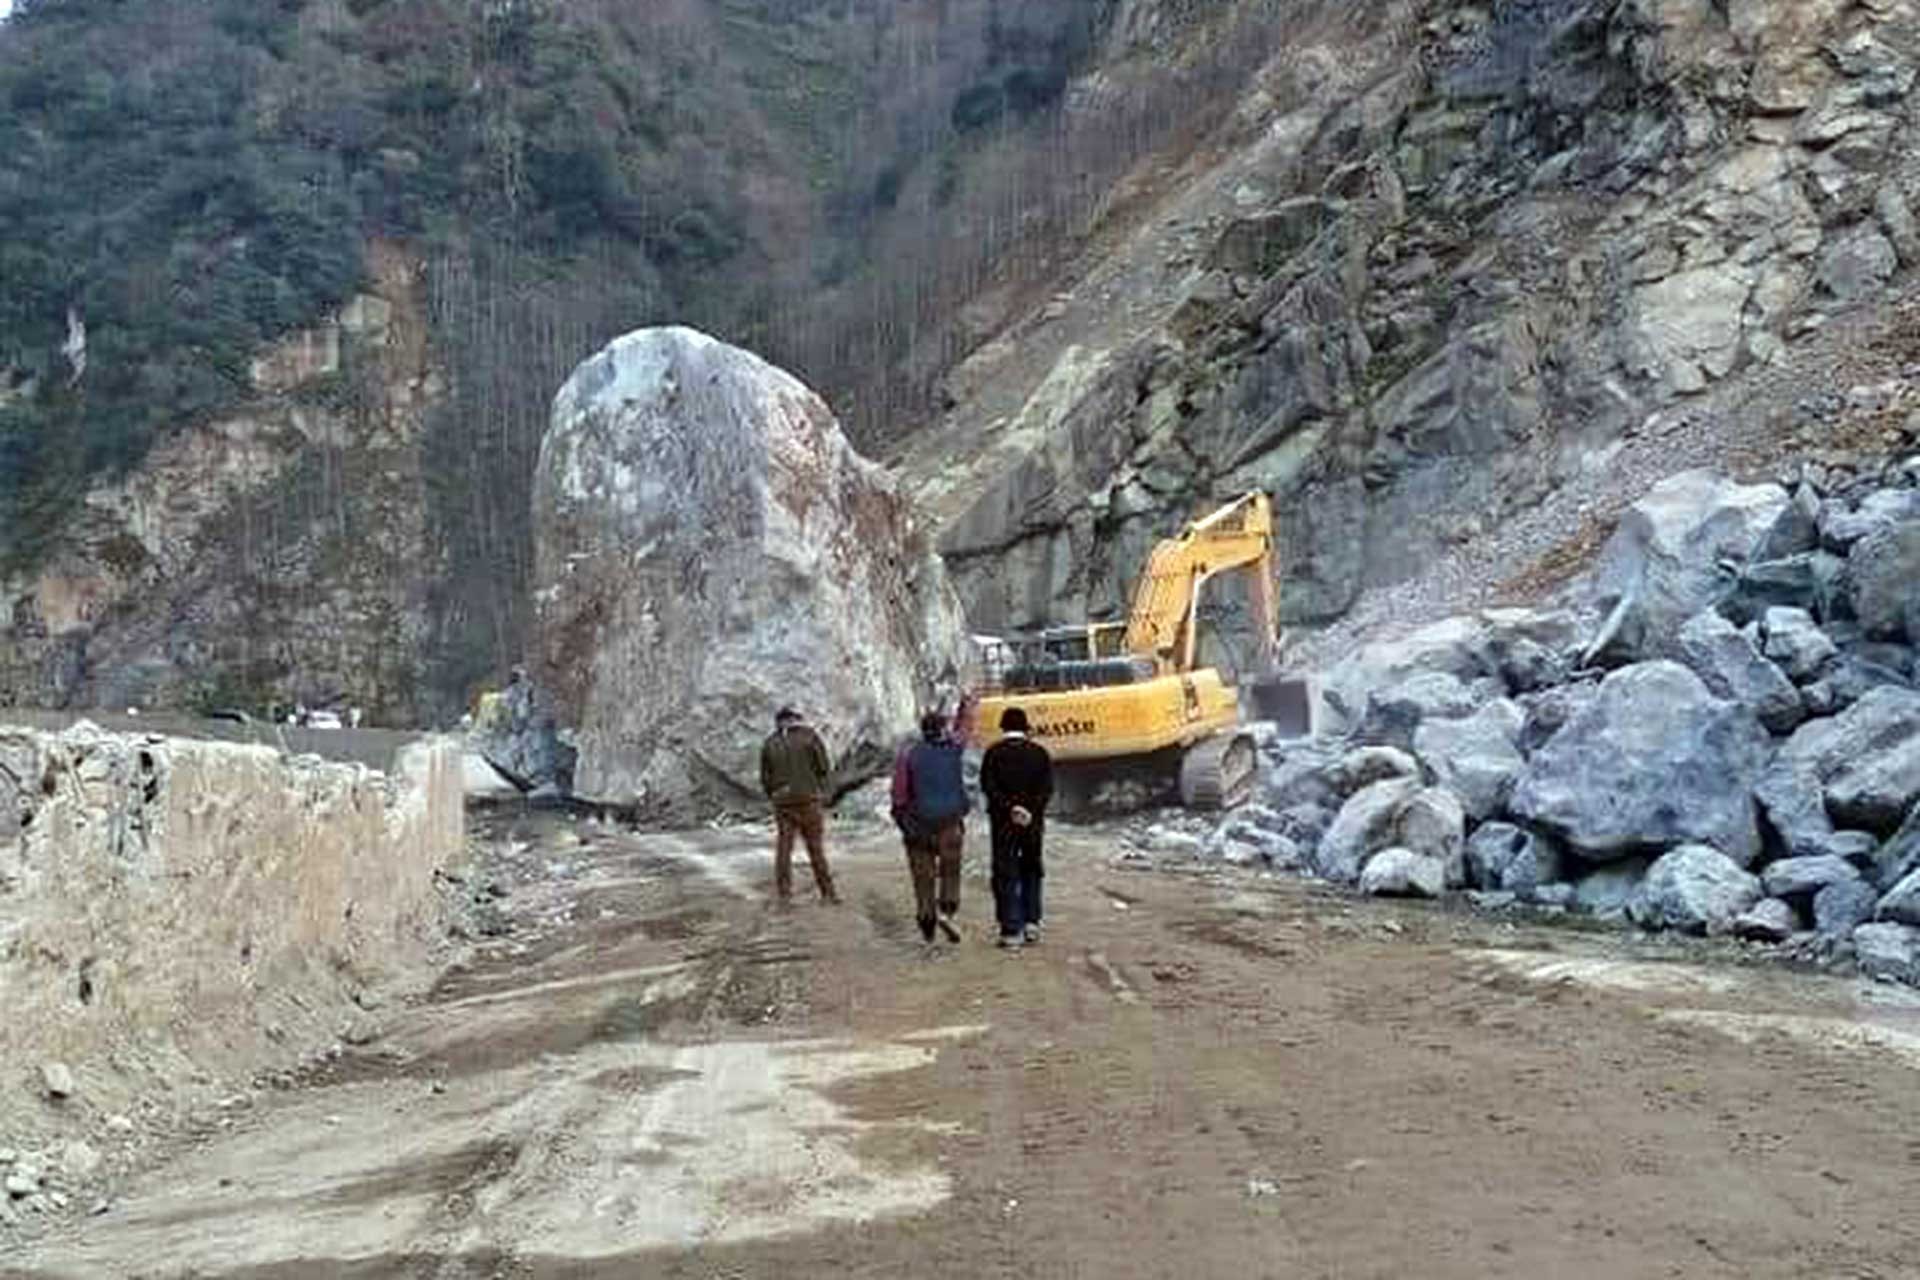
[(786, 715), (1013, 720), (932, 725)]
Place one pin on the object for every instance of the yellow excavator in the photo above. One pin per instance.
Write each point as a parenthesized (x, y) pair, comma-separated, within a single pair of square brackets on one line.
[(1125, 699)]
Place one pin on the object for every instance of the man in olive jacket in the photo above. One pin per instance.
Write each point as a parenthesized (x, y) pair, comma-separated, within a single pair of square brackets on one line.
[(795, 773)]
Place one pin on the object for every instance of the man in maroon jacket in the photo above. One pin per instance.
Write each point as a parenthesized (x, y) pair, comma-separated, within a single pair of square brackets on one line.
[(930, 807)]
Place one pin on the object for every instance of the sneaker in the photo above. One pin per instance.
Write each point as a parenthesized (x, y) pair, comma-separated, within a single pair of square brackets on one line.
[(1033, 933), (1010, 942)]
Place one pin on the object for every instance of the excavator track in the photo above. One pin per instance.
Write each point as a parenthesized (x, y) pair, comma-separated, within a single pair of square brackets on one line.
[(1217, 773)]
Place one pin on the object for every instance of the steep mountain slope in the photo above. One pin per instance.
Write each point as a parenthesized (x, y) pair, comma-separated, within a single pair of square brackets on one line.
[(1446, 259), (1077, 266), (190, 185)]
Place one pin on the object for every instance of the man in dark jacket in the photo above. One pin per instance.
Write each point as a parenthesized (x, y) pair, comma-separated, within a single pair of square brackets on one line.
[(1016, 777), (930, 805), (795, 773)]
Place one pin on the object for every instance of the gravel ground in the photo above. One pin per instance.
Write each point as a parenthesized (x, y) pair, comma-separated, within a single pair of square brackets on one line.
[(1196, 1074)]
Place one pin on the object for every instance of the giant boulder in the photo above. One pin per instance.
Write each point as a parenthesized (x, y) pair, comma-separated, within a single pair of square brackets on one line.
[(1654, 760), (709, 547)]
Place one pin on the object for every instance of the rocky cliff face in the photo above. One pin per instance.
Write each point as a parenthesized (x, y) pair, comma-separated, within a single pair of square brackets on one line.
[(281, 553), (1448, 256)]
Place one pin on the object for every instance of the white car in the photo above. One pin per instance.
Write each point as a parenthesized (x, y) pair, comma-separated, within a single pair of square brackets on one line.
[(324, 720)]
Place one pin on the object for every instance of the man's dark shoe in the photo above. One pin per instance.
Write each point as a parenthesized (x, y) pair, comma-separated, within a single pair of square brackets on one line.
[(946, 927), (926, 930)]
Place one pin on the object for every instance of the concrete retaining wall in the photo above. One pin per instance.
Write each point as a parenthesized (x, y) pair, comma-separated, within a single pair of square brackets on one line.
[(176, 911)]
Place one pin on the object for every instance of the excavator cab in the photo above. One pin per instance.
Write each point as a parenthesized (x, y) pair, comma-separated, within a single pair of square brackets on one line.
[(1090, 656)]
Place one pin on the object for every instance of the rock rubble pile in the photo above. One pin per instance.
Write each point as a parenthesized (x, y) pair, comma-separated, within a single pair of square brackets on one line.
[(1716, 732)]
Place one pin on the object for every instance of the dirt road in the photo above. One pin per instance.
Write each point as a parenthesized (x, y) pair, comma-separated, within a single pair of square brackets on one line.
[(1191, 1077)]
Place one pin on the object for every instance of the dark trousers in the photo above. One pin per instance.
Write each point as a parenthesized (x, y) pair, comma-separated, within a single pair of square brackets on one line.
[(934, 862), (808, 821), (1018, 871)]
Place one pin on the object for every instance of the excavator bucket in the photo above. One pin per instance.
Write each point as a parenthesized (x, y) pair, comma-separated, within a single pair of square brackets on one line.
[(1290, 703)]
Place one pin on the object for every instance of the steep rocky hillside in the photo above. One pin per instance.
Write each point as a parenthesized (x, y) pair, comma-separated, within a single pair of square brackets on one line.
[(286, 303), (187, 187), (1448, 261)]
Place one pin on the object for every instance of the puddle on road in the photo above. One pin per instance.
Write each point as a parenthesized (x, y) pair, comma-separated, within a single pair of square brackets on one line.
[(712, 1143)]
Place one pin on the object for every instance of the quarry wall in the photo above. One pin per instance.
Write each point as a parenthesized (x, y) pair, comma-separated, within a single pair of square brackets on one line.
[(175, 911)]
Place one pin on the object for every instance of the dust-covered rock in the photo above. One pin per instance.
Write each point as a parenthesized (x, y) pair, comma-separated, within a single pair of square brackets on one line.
[(1551, 711), (1796, 642), (1900, 855), (1847, 679), (1844, 525), (1608, 890), (1394, 715), (1665, 561), (1768, 920), (1804, 877), (1815, 581), (1364, 825), (1458, 647), (518, 734), (1402, 873), (1859, 769), (56, 1079), (1476, 757), (78, 1160), (1694, 889), (1884, 567), (1841, 907), (1733, 669), (1365, 766), (1888, 951), (1795, 530), (1902, 902), (1255, 834), (1503, 857), (1432, 824)]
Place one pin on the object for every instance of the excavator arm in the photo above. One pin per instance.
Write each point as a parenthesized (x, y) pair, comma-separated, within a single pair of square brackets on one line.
[(1164, 620)]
